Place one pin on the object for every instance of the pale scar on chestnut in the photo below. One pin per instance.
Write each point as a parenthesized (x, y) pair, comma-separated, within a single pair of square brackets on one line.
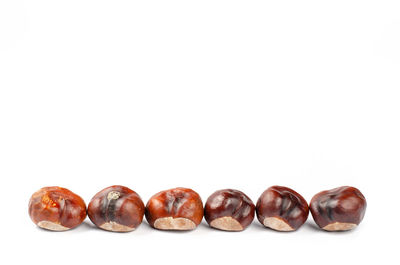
[(52, 226), (179, 223), (226, 223), (277, 224), (113, 195)]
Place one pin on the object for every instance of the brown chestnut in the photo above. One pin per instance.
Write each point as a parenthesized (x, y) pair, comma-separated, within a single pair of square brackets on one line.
[(56, 209), (117, 209), (281, 209), (339, 209), (229, 210), (175, 209)]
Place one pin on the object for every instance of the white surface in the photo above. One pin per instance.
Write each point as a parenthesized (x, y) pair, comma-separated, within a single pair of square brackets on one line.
[(206, 95)]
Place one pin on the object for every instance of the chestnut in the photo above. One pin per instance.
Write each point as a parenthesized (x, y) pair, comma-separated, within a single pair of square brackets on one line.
[(56, 209), (229, 210), (117, 209), (282, 209), (175, 209), (339, 209)]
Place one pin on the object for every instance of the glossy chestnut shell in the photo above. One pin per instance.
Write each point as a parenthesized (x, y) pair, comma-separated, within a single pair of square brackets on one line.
[(116, 208), (282, 209), (229, 210), (339, 209), (56, 209), (174, 209)]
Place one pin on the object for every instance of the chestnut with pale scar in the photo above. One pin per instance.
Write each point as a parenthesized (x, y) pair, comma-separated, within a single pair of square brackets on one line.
[(282, 209), (339, 209), (229, 210), (56, 209), (116, 208), (175, 209)]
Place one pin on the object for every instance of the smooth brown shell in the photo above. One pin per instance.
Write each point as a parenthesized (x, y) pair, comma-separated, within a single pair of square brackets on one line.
[(116, 208), (175, 209), (338, 209), (56, 208), (229, 210), (284, 208)]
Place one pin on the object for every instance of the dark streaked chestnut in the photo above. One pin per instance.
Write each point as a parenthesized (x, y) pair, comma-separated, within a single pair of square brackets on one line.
[(116, 208), (282, 209), (229, 210), (56, 209), (175, 209), (339, 209)]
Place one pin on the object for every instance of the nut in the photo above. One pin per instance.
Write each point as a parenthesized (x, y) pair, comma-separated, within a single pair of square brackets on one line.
[(175, 209), (339, 209), (229, 210), (117, 209), (56, 208), (282, 209)]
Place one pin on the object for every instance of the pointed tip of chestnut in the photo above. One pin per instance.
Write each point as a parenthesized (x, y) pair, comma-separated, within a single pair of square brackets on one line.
[(175, 209), (116, 209), (229, 210), (56, 208), (282, 209), (339, 209)]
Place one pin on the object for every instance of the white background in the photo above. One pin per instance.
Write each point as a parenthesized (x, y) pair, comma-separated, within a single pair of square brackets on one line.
[(206, 95)]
